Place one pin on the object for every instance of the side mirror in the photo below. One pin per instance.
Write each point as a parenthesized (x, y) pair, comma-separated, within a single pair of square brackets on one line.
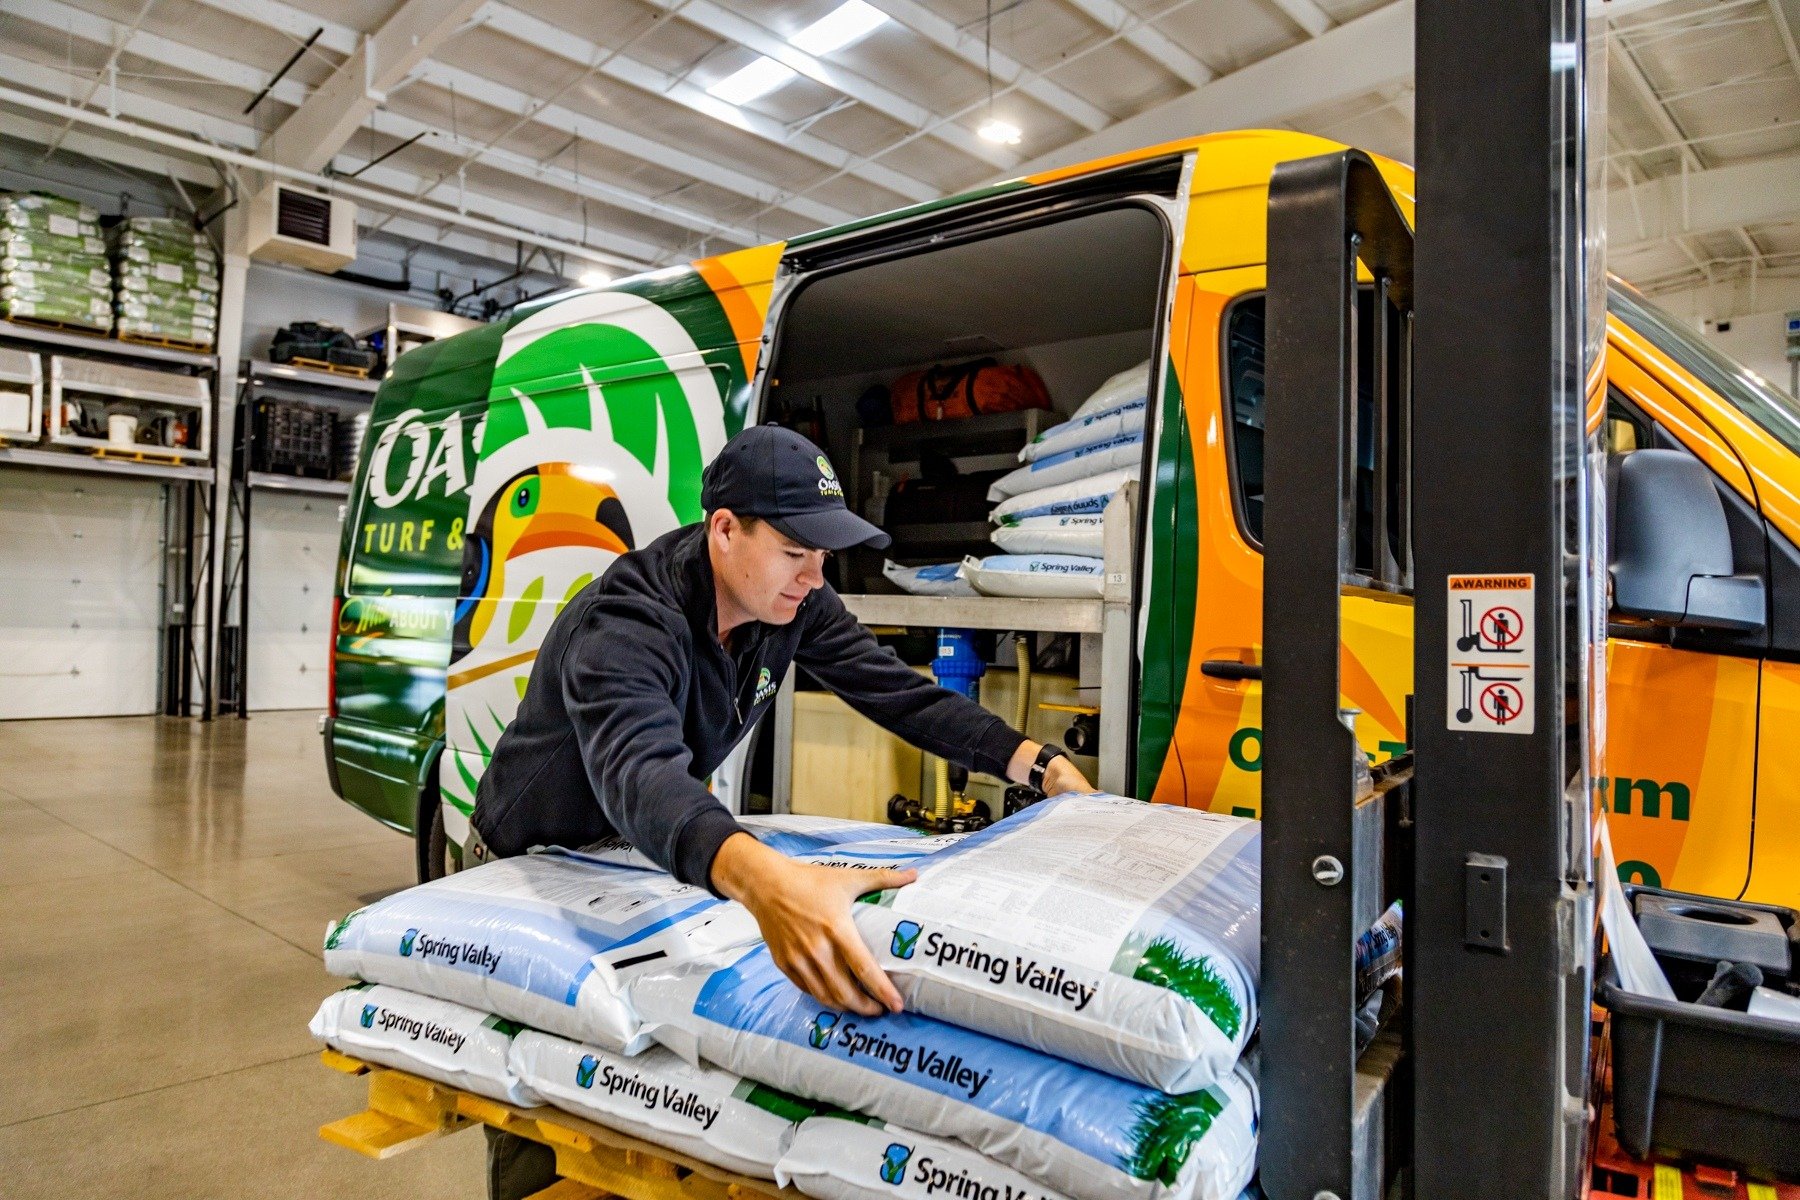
[(1671, 547)]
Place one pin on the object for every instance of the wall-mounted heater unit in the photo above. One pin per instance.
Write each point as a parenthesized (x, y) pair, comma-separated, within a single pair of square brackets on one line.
[(308, 229)]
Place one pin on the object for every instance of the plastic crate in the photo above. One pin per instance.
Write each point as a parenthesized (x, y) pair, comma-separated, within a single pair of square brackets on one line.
[(1710, 1083), (293, 439)]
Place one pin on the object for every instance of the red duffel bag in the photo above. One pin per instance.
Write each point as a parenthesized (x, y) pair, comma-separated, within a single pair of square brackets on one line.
[(950, 393)]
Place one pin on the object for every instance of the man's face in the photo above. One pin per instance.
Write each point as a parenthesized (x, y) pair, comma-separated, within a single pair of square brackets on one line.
[(765, 574)]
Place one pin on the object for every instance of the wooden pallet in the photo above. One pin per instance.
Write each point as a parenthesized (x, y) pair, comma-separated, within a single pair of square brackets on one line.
[(593, 1161), (60, 326), (135, 455), (164, 343), (330, 368)]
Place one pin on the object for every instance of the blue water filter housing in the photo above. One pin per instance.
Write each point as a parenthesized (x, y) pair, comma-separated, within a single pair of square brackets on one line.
[(959, 664)]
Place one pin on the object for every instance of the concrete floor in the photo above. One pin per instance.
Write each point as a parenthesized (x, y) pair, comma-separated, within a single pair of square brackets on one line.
[(164, 888)]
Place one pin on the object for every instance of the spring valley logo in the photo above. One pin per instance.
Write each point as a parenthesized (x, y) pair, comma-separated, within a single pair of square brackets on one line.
[(406, 942), (905, 940), (828, 480), (368, 1016), (819, 1034), (584, 1070), (893, 1163)]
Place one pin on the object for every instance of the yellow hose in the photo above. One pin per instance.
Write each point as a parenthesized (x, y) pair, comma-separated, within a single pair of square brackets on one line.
[(1022, 713), (941, 796)]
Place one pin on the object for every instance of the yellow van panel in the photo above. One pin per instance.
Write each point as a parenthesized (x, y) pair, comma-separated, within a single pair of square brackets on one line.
[(1681, 758)]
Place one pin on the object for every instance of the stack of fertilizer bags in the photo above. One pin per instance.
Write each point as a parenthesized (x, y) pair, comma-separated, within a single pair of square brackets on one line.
[(1050, 512), (53, 262), (1079, 983), (167, 279)]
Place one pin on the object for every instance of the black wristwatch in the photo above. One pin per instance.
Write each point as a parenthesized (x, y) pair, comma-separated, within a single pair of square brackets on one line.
[(1035, 777)]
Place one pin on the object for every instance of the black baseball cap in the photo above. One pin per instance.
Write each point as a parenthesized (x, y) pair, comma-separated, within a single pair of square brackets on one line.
[(775, 474)]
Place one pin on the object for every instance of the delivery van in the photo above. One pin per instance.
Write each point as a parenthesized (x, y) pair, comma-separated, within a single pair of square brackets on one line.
[(506, 467)]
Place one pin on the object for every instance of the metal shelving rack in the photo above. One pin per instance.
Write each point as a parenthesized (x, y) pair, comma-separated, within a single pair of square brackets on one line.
[(189, 514), (1103, 623), (260, 379)]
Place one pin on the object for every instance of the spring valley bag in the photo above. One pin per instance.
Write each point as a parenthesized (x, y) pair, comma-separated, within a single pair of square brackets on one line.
[(1083, 497), (1076, 1130), (1111, 932), (937, 579), (949, 393), (841, 1157), (1083, 535), (1080, 462), (700, 1111), (543, 939), (793, 834), (1133, 383), (429, 1037), (1066, 576), (1123, 421)]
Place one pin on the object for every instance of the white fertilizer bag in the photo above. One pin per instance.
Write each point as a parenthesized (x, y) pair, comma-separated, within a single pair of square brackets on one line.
[(1084, 536), (1097, 458), (1084, 497), (938, 579), (1123, 421), (433, 1038), (701, 1111), (1077, 1130), (1044, 575), (793, 834), (842, 1157), (1114, 933), (1133, 383), (543, 939)]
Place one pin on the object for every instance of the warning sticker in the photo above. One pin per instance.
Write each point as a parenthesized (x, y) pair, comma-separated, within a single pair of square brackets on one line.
[(1492, 644)]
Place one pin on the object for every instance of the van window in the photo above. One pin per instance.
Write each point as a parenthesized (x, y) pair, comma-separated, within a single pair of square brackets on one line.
[(1775, 411), (1245, 395)]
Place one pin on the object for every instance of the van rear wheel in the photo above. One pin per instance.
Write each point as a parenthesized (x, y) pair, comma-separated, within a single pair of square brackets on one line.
[(431, 840)]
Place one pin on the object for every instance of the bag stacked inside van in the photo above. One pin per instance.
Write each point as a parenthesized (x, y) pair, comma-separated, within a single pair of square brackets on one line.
[(1079, 981), (1050, 512)]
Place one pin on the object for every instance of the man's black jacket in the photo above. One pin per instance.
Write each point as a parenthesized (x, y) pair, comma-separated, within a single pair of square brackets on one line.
[(633, 703)]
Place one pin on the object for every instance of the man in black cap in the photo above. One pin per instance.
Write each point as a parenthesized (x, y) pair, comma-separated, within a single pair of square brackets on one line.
[(654, 672)]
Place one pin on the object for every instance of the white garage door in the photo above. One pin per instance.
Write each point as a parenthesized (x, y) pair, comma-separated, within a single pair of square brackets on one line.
[(293, 551), (80, 604)]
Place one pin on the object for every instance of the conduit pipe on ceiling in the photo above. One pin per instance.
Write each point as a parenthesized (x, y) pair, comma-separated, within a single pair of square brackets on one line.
[(374, 196)]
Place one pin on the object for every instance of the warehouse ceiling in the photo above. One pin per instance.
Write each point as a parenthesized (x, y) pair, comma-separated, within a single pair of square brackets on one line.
[(652, 131)]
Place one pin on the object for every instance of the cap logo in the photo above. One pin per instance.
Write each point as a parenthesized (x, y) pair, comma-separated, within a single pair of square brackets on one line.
[(828, 480)]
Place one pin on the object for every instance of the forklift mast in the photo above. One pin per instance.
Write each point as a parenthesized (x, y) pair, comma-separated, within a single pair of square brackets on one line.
[(1475, 494)]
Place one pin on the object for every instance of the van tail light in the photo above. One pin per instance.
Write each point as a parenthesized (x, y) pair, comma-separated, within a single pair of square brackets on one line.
[(331, 663)]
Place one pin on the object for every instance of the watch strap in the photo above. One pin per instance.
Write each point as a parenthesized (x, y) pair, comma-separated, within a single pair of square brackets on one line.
[(1050, 752)]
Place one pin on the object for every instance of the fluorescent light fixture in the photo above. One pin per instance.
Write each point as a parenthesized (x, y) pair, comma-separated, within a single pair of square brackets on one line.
[(1003, 133), (752, 82), (849, 22), (591, 278)]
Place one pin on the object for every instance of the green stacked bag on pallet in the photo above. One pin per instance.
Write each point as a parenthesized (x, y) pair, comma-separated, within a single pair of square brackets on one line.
[(167, 278), (53, 262)]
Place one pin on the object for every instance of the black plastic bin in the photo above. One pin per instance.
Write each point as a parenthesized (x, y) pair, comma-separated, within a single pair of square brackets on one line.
[(1707, 1083)]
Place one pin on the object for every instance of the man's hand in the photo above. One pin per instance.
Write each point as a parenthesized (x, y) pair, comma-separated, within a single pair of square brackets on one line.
[(803, 911), (1062, 775)]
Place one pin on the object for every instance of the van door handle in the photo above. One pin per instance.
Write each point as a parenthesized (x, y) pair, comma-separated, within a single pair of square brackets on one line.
[(1231, 668)]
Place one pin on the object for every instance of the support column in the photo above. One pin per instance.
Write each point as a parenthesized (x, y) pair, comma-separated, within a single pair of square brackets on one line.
[(1499, 945)]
